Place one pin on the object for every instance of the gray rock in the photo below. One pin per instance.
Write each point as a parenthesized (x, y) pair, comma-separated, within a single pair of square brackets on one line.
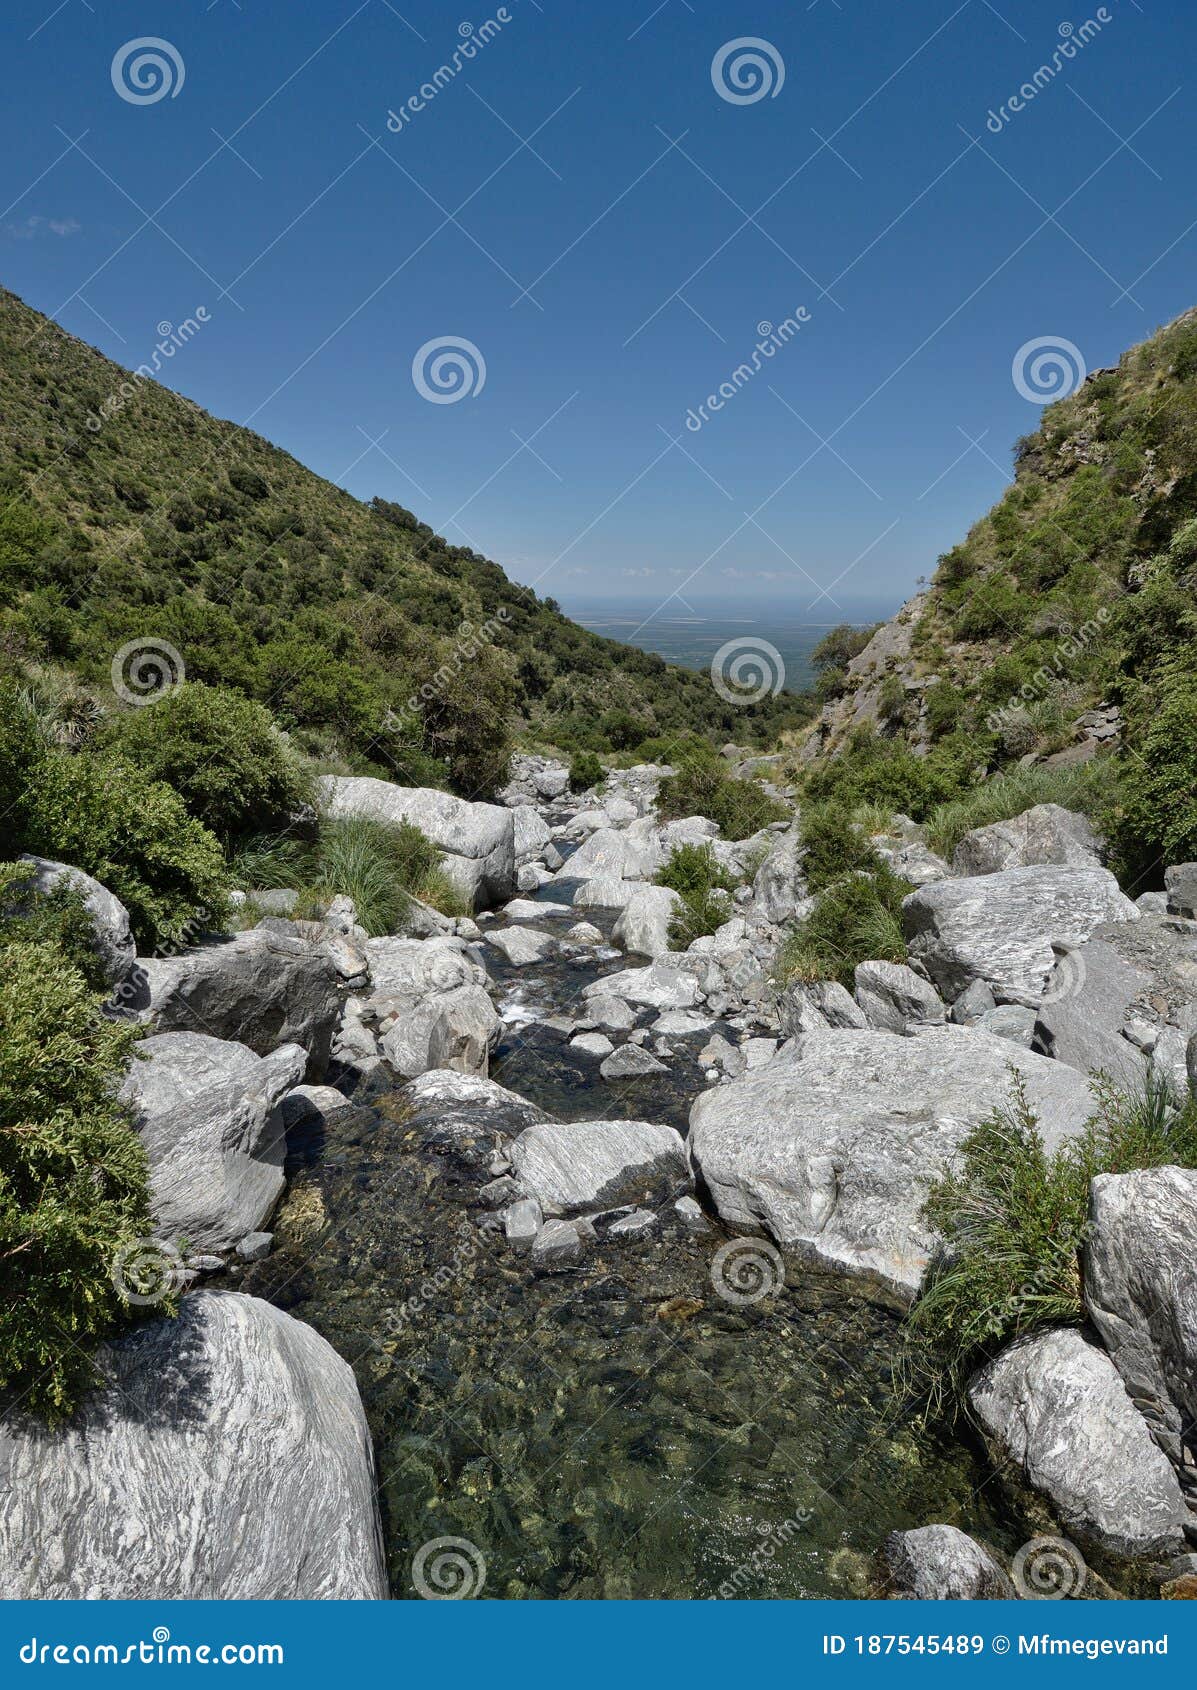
[(521, 1223), (552, 858), (1141, 1292), (463, 1117), (225, 1456), (1088, 1000), (758, 1052), (1153, 903), (476, 841), (275, 900), (837, 1005), (530, 878), (718, 1053), (521, 945), (592, 1165), (972, 1004), (831, 1148), (309, 1103), (1000, 927), (456, 1029), (592, 1044), (603, 891), (1056, 1407), (205, 1110), (613, 1014), (942, 1564), (585, 933), (264, 988), (112, 934), (691, 1216), (1181, 882), (635, 1225), (255, 1246), (1013, 1021), (531, 833), (681, 1024), (914, 863), (629, 1062), (643, 925), (532, 909), (558, 1244), (662, 985), (1045, 834), (500, 1191), (779, 889), (894, 998), (1168, 1064)]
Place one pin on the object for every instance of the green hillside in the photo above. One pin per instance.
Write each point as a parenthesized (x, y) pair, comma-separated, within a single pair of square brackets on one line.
[(128, 513)]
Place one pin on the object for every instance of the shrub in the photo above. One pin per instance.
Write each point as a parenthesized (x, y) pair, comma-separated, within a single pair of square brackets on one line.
[(873, 770), (1014, 1219), (1088, 787), (222, 754), (1158, 820), (73, 1178), (585, 771), (833, 846), (856, 919), (693, 872), (269, 862), (58, 917), (703, 787), (382, 868)]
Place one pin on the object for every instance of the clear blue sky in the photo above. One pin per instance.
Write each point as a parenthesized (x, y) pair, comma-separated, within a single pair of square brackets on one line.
[(652, 223)]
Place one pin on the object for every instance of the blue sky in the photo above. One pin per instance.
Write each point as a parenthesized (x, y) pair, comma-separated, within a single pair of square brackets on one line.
[(581, 203)]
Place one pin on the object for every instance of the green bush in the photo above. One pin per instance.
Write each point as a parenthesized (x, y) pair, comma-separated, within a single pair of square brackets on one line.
[(856, 919), (382, 868), (1088, 787), (108, 818), (73, 1180), (1014, 1218), (58, 917), (221, 753), (874, 770), (585, 771), (833, 846), (693, 872), (1157, 822), (703, 787)]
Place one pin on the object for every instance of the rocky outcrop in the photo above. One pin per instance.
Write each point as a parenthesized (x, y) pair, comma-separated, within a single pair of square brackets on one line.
[(831, 1146), (573, 1169), (1141, 1292), (476, 841), (1180, 880), (206, 1111), (1054, 1405), (1000, 927), (1045, 834), (266, 987), (112, 933), (226, 1455), (942, 1564)]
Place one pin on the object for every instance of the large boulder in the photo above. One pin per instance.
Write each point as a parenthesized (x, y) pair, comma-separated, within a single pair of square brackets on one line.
[(1054, 1405), (456, 1029), (532, 833), (893, 998), (662, 985), (575, 1168), (266, 987), (779, 889), (1000, 927), (112, 935), (1086, 1004), (476, 841), (631, 853), (1045, 834), (206, 1111), (225, 1456), (643, 926), (428, 1008), (943, 1564), (832, 1146), (1141, 1292)]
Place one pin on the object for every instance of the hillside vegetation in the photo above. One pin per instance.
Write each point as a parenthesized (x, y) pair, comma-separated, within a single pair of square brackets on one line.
[(127, 513)]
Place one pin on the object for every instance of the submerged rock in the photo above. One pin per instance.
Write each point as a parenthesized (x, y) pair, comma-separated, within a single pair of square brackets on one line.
[(225, 1456)]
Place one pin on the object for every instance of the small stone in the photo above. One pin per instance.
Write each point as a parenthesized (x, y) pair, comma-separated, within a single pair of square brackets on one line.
[(558, 1244), (585, 933), (255, 1246), (757, 1052), (972, 1004), (690, 1214), (207, 1264), (592, 1044), (630, 1062), (613, 1014), (522, 1222), (501, 1191), (1010, 1021), (634, 1225)]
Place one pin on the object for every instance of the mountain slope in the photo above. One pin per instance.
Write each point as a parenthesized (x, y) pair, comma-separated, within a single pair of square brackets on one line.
[(128, 513), (1064, 624)]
